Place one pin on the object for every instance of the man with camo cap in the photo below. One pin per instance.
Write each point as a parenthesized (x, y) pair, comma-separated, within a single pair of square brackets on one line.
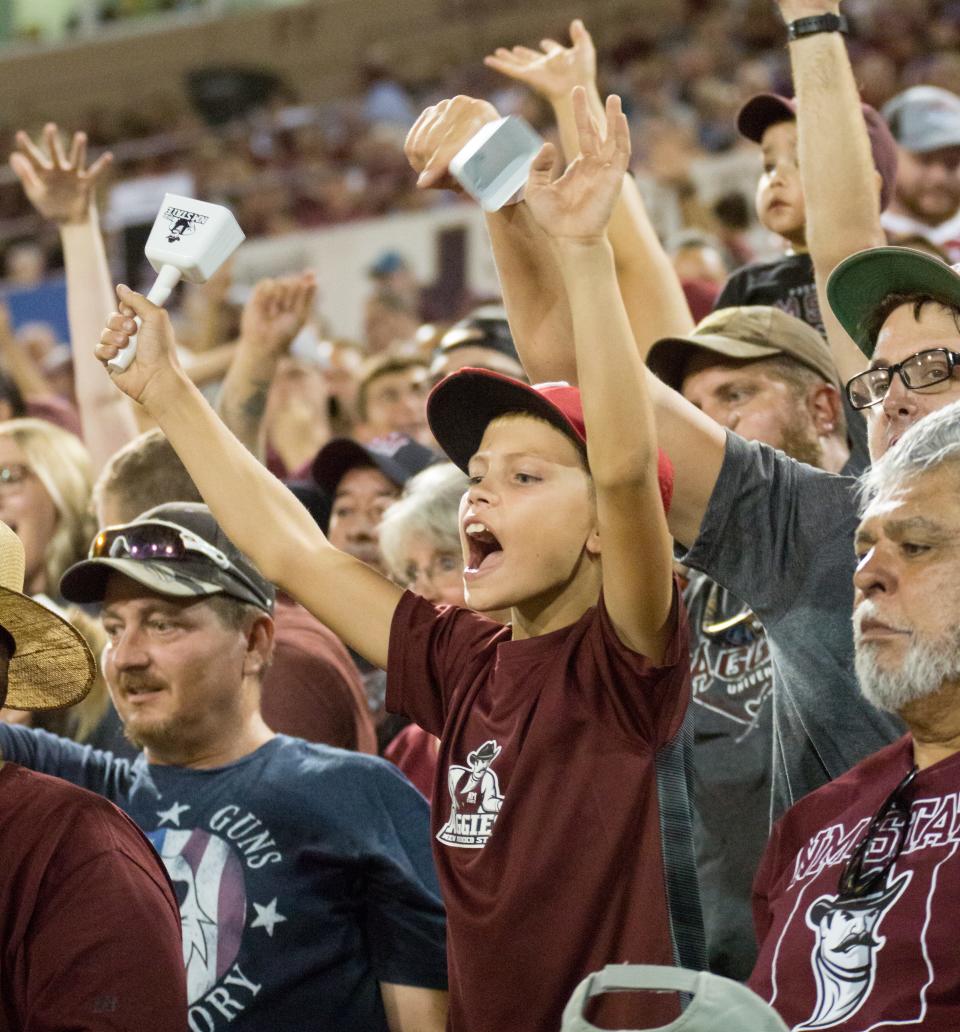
[(304, 873)]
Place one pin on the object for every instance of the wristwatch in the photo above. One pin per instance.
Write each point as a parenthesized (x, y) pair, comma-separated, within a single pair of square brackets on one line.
[(817, 23)]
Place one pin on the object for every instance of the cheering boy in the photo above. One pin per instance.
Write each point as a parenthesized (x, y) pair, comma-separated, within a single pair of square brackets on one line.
[(545, 811)]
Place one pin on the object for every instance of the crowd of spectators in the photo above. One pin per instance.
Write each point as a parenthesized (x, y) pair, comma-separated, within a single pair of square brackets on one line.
[(580, 564), (289, 163)]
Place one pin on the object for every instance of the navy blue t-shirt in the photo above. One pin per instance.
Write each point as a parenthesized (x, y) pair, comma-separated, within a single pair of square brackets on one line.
[(303, 874)]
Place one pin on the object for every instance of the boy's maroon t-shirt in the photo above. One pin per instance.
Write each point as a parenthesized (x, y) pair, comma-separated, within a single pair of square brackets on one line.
[(89, 924), (888, 960), (545, 815)]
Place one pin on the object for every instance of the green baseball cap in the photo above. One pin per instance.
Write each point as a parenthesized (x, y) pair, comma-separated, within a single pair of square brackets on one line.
[(860, 283), (746, 333)]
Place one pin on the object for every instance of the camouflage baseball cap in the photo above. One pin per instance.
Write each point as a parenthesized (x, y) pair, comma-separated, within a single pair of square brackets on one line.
[(178, 550)]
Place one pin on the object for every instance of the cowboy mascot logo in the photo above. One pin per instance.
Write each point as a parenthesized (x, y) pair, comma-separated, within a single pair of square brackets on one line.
[(475, 799), (844, 957)]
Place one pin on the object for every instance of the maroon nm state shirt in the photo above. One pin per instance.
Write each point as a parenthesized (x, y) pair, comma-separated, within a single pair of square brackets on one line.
[(888, 961)]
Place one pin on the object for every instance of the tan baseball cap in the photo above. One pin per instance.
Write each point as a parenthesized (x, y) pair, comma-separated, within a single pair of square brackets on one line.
[(745, 333)]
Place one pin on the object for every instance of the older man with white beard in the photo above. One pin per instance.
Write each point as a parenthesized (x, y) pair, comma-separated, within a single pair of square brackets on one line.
[(854, 902)]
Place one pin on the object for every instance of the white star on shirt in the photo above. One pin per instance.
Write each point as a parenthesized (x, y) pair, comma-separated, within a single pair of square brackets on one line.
[(267, 917), (174, 814)]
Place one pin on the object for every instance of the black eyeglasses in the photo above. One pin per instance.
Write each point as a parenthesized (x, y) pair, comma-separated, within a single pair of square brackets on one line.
[(160, 540), (894, 815), (924, 369)]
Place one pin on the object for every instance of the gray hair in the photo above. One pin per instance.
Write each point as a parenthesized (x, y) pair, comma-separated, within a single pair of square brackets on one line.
[(927, 445), (429, 509)]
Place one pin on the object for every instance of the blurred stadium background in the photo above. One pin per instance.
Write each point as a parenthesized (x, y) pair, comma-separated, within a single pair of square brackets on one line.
[(294, 115)]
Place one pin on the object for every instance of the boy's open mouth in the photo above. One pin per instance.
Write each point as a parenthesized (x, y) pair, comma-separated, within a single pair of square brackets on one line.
[(484, 546)]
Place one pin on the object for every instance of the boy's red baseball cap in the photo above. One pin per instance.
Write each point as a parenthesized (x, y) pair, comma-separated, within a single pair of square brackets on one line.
[(462, 406), (767, 109)]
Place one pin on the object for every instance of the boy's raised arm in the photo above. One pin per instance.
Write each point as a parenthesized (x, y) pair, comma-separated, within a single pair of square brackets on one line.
[(259, 515), (840, 180), (535, 296), (61, 187), (636, 550), (530, 281)]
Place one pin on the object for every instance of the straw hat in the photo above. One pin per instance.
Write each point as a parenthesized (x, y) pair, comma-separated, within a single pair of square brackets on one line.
[(52, 665)]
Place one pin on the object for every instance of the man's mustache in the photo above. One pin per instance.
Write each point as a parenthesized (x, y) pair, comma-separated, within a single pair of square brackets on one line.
[(138, 683), (857, 939)]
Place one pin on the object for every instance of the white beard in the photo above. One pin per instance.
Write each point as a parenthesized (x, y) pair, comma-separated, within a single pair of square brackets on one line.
[(926, 667)]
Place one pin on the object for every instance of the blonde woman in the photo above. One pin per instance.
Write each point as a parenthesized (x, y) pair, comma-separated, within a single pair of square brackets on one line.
[(46, 478), (45, 482)]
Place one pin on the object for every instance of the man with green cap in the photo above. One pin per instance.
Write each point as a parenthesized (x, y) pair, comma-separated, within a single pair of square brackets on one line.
[(89, 925)]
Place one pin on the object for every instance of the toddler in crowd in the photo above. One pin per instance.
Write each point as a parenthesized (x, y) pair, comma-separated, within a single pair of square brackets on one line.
[(787, 282)]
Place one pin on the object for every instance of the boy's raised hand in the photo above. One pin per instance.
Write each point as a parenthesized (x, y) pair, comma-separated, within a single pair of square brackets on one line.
[(553, 70), (439, 133), (156, 366), (578, 205), (57, 184)]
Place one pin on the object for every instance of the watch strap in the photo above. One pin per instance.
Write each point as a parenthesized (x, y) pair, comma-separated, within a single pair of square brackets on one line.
[(815, 24)]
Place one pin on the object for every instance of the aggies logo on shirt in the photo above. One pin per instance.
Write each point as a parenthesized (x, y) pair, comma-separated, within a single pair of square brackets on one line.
[(475, 799)]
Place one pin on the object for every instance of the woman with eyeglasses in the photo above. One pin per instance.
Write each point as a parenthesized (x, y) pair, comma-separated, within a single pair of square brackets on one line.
[(420, 537), (420, 544), (46, 477)]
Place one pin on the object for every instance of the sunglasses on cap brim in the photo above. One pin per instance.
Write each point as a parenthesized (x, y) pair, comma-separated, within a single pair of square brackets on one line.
[(160, 541)]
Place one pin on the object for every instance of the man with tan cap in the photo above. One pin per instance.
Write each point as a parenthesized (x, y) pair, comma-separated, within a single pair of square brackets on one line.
[(89, 925), (769, 377)]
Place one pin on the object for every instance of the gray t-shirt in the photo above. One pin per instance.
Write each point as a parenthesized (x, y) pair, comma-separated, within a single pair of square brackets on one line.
[(778, 534), (731, 682)]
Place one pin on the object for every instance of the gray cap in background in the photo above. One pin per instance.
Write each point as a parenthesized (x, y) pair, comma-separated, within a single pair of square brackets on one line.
[(924, 118)]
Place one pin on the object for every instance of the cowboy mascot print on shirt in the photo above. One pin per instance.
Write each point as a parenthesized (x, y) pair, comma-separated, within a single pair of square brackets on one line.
[(844, 958), (886, 959), (475, 799)]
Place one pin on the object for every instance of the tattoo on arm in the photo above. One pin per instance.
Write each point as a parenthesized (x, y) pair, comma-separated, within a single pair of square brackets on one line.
[(244, 415), (255, 404)]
